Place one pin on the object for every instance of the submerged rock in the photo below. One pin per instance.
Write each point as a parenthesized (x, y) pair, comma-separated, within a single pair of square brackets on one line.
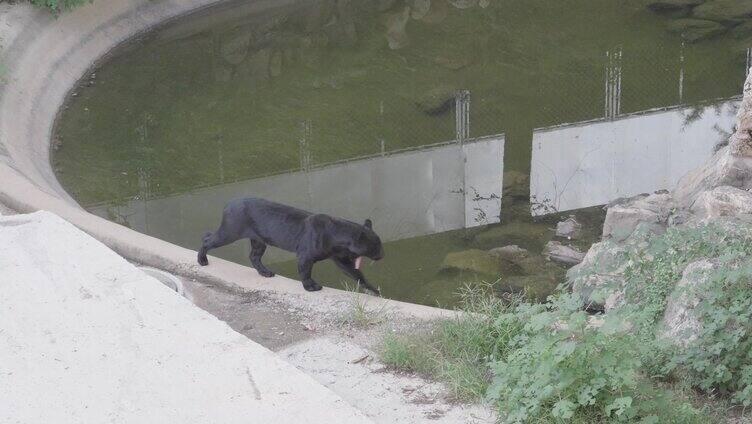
[(463, 4), (473, 260), (396, 34), (694, 30), (437, 13), (569, 228), (724, 10), (511, 252), (672, 5), (536, 287), (420, 8), (567, 255), (234, 46)]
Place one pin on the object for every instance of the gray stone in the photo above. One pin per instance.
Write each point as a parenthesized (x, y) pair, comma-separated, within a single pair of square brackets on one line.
[(723, 169), (509, 252), (600, 269), (694, 30), (724, 10), (680, 323), (623, 218), (567, 255), (569, 228), (722, 201), (396, 34)]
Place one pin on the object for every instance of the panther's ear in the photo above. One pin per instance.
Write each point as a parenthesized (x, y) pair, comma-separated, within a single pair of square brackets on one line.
[(368, 224)]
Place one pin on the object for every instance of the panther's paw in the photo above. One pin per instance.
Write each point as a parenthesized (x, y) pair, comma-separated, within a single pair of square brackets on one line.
[(312, 286)]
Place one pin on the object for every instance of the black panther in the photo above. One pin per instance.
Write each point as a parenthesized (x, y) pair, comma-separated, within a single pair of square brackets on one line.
[(313, 237)]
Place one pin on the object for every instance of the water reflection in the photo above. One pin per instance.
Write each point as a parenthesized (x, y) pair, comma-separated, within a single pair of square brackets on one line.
[(587, 164), (407, 194)]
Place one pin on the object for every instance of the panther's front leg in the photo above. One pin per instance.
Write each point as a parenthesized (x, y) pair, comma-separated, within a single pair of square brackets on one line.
[(305, 267)]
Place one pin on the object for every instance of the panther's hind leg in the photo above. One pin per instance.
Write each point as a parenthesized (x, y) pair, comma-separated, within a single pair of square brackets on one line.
[(212, 241), (258, 248)]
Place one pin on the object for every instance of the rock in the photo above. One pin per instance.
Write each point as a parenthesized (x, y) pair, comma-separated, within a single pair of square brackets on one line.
[(437, 13), (420, 8), (395, 29), (569, 228), (672, 5), (567, 255), (473, 260), (693, 30), (234, 46), (516, 184), (510, 252), (623, 218), (600, 269), (463, 4), (536, 287), (740, 143), (680, 323), (275, 64), (723, 169), (722, 201), (724, 10)]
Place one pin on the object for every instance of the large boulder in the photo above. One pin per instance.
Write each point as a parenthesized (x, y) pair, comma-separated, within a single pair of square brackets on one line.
[(650, 211), (723, 169), (724, 10), (598, 278), (724, 201), (693, 30), (680, 323)]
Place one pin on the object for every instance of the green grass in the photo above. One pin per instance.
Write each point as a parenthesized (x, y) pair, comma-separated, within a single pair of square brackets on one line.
[(457, 351)]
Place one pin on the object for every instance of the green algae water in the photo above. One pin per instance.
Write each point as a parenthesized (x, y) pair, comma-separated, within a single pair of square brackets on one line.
[(351, 108)]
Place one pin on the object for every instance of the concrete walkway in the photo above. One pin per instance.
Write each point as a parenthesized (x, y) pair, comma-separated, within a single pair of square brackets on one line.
[(87, 337)]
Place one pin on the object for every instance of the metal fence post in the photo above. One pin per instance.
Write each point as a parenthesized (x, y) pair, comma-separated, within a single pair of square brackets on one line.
[(462, 115), (612, 106), (681, 74)]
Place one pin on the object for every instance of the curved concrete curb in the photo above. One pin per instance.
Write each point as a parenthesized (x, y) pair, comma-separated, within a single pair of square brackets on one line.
[(44, 57)]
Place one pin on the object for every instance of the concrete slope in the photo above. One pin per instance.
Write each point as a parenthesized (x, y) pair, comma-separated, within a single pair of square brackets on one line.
[(87, 337)]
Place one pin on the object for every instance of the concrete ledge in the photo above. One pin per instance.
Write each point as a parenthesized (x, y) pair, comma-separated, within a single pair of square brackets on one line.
[(44, 58), (87, 337)]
